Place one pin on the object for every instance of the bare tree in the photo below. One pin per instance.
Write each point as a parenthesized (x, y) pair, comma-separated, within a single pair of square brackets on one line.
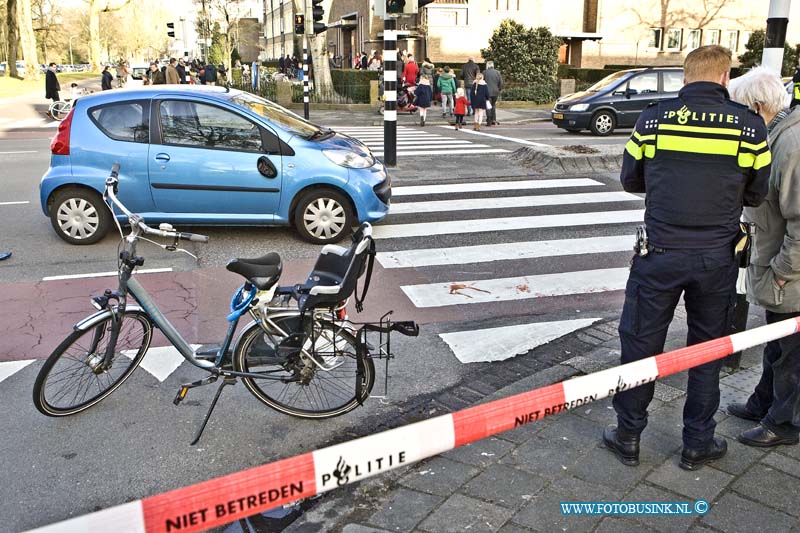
[(318, 47), (27, 39), (697, 17), (95, 8), (13, 37), (45, 24)]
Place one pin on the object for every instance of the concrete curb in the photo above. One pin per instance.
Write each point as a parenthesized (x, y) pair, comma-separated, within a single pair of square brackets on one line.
[(556, 160)]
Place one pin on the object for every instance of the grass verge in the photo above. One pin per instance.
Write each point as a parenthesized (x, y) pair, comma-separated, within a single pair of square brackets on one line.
[(11, 87)]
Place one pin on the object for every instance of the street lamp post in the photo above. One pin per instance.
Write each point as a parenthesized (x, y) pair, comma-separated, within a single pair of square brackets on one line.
[(71, 62)]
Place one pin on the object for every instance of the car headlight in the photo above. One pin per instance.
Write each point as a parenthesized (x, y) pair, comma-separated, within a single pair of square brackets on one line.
[(347, 158), (579, 107)]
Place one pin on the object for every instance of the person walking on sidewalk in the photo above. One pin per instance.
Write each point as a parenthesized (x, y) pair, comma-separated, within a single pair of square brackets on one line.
[(447, 86), (51, 85), (172, 75), (479, 97), (697, 176), (410, 71), (468, 73), (775, 265), (460, 108), (422, 98), (796, 88), (494, 82), (106, 79)]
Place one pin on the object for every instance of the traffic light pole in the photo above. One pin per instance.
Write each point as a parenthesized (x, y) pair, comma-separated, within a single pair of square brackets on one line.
[(305, 76), (390, 91), (777, 21)]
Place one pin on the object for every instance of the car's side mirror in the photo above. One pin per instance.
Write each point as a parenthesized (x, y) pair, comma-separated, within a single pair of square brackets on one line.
[(630, 92), (266, 168)]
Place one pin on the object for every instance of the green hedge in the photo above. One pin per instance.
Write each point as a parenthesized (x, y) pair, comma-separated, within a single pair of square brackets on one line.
[(353, 84), (541, 93)]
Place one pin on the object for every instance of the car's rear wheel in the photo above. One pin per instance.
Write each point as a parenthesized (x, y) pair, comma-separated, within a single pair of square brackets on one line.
[(323, 216), (80, 216), (603, 123)]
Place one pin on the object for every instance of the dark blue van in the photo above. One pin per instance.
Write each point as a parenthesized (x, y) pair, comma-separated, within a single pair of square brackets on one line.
[(616, 100)]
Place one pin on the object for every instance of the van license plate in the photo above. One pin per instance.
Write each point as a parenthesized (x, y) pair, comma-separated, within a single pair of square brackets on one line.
[(558, 116)]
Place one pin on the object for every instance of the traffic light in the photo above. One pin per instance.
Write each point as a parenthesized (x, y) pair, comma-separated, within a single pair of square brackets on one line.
[(316, 14), (395, 7), (300, 24), (171, 29)]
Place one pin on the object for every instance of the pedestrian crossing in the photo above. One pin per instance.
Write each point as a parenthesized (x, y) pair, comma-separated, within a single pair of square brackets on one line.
[(418, 142), (492, 243)]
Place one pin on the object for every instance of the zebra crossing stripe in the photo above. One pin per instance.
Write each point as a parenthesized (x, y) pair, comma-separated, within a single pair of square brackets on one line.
[(516, 288), (499, 344), (487, 186), (400, 151), (160, 362), (422, 143), (9, 368), (469, 204), (453, 227), (485, 253)]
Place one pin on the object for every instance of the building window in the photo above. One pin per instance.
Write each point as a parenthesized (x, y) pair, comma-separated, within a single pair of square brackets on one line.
[(693, 39), (674, 39), (655, 38), (732, 40), (712, 37), (745, 38)]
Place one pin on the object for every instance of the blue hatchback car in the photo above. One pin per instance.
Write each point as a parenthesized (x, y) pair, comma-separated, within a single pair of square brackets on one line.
[(208, 156)]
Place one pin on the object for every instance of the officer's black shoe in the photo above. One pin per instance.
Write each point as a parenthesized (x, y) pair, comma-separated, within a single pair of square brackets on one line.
[(695, 459), (761, 437), (740, 410), (625, 446)]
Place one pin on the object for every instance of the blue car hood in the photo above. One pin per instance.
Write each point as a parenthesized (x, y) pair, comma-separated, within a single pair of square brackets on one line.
[(340, 141)]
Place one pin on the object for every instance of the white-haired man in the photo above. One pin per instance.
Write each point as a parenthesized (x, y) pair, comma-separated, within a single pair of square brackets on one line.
[(774, 271)]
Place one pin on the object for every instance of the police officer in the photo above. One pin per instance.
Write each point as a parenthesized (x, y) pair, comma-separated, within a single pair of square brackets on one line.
[(698, 157), (796, 87)]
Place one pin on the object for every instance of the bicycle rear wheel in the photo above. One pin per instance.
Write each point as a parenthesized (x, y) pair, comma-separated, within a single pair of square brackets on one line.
[(299, 386), (70, 381), (59, 110)]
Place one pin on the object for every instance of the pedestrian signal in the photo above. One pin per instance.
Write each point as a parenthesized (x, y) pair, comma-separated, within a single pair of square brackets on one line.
[(300, 24)]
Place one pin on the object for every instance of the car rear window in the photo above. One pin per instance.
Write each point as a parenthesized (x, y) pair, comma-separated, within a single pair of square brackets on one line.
[(673, 80), (122, 121)]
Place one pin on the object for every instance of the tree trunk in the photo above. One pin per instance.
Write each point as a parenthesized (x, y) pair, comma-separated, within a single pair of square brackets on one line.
[(27, 39), (318, 48), (13, 37), (95, 8)]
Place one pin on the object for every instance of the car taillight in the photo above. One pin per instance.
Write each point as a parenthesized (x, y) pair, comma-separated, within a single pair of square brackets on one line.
[(60, 143)]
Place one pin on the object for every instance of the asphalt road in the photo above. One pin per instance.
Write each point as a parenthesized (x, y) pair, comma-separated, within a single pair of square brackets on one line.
[(135, 443)]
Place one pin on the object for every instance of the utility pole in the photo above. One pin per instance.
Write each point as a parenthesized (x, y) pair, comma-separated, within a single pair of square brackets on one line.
[(777, 21)]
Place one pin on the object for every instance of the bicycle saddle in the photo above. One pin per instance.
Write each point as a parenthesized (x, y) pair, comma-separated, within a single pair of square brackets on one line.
[(263, 272)]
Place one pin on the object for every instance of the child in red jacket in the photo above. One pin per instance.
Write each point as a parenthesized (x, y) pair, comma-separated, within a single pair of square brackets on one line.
[(460, 108)]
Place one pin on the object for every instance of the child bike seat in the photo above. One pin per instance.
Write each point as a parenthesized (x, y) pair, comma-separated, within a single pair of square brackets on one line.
[(263, 272)]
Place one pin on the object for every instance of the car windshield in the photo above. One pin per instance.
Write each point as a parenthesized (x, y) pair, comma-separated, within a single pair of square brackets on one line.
[(280, 116), (605, 82)]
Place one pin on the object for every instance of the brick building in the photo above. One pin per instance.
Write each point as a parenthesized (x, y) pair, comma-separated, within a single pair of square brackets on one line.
[(596, 32)]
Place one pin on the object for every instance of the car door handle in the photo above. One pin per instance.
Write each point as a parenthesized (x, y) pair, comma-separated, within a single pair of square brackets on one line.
[(162, 157)]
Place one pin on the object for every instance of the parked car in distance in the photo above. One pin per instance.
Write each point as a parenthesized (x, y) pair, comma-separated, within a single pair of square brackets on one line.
[(197, 155), (20, 68), (617, 100)]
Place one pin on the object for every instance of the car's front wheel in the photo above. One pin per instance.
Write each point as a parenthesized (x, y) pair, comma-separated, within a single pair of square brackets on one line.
[(603, 123), (80, 216), (323, 216)]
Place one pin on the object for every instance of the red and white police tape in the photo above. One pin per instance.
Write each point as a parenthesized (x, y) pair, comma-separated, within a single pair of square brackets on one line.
[(228, 498)]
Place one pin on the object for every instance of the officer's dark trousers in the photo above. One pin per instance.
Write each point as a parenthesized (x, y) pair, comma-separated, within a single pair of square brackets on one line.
[(777, 395), (707, 279)]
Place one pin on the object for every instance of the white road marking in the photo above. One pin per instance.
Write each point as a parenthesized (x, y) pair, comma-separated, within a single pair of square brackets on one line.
[(484, 186), (499, 344), (452, 227), (469, 204), (20, 152), (160, 362), (104, 274), (14, 203), (419, 144), (444, 152), (53, 124), (30, 122), (9, 368), (502, 137), (516, 288), (3, 119), (486, 253)]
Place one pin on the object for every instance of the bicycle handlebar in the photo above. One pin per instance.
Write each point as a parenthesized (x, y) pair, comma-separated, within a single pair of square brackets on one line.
[(111, 186)]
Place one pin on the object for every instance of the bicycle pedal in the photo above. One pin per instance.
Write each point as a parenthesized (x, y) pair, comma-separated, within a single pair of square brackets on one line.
[(181, 395)]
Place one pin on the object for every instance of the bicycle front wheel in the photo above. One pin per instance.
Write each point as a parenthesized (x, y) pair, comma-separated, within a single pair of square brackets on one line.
[(59, 110), (294, 384), (72, 380)]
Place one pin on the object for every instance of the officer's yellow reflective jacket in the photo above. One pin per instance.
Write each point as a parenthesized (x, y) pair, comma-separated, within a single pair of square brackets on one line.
[(699, 157)]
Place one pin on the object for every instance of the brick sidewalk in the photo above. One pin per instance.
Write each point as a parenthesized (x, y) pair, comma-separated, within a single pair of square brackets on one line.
[(515, 481)]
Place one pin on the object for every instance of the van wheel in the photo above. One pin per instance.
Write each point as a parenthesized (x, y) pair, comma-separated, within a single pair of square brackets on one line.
[(323, 216), (603, 123), (80, 216)]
